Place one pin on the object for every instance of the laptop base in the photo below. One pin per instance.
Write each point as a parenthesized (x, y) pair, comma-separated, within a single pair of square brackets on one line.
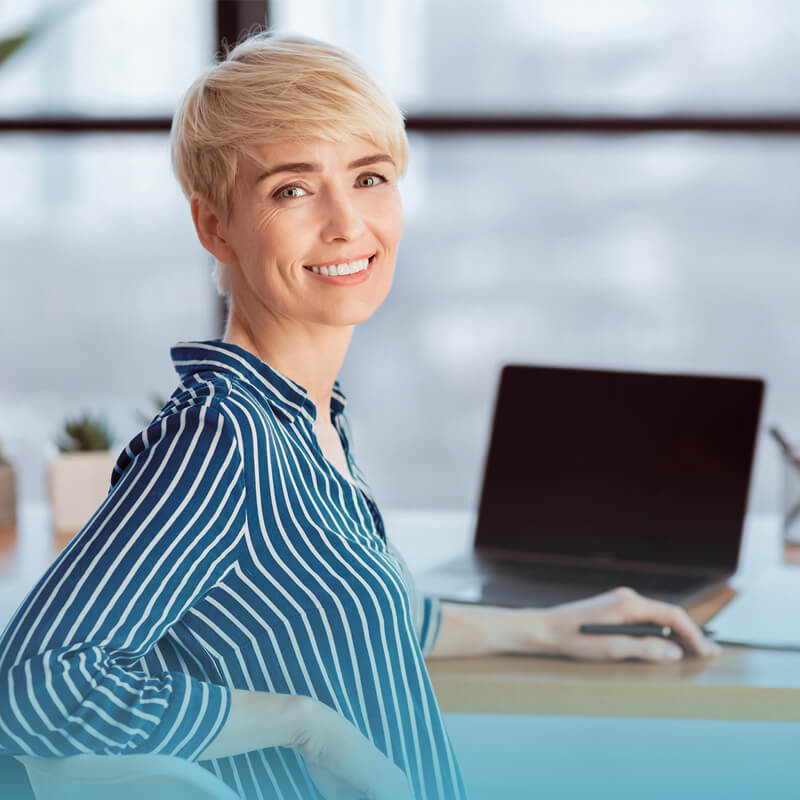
[(470, 579)]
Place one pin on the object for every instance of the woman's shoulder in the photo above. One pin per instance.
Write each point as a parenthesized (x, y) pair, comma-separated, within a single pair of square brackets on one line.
[(204, 403), (214, 394), (202, 406), (198, 399)]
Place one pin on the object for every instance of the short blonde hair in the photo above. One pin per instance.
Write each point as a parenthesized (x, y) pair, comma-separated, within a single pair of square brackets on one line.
[(272, 87)]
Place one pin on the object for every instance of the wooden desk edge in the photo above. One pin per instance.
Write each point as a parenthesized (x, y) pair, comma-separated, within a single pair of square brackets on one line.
[(589, 698)]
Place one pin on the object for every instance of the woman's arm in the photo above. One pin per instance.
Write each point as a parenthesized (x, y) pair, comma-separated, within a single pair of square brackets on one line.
[(468, 630), (256, 720), (70, 679), (456, 630), (340, 760)]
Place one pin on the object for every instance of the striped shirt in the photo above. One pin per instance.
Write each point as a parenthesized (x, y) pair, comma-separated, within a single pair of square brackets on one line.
[(228, 553)]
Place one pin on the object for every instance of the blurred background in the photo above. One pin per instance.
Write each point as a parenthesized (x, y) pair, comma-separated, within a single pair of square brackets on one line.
[(590, 184)]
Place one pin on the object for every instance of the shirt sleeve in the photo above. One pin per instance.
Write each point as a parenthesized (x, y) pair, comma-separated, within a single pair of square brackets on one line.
[(166, 533), (426, 610), (429, 622)]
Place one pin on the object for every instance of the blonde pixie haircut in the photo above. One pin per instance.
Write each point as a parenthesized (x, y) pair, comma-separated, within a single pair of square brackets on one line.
[(272, 87)]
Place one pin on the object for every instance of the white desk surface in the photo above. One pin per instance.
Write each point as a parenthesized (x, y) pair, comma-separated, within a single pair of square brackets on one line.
[(425, 537)]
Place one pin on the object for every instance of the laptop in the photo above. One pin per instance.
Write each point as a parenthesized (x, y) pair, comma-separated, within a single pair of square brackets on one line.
[(601, 478)]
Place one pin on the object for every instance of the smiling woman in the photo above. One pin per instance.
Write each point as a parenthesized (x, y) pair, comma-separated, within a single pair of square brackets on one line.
[(233, 110), (337, 214), (236, 597)]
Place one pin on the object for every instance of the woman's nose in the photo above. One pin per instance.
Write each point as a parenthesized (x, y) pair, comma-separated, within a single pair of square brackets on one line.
[(343, 219)]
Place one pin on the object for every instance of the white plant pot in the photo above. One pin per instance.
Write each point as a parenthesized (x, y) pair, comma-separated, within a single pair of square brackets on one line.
[(8, 495), (78, 484)]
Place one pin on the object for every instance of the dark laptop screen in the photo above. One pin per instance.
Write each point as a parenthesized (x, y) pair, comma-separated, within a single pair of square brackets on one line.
[(634, 466)]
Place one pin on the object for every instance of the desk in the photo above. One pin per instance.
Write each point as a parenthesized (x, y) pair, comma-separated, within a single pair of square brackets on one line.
[(742, 684)]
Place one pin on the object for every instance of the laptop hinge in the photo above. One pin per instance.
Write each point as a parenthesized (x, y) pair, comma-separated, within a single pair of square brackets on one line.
[(596, 562)]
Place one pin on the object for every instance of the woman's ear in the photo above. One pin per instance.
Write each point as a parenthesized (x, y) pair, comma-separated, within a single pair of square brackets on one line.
[(211, 230)]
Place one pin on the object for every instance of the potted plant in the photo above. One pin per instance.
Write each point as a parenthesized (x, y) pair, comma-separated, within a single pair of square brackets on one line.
[(8, 492), (80, 477)]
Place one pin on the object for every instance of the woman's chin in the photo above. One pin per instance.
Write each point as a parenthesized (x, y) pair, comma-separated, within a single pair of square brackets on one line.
[(351, 312), (347, 318)]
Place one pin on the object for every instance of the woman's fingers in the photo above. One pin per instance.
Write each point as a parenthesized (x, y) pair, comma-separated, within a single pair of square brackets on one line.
[(688, 631), (331, 787), (643, 609), (617, 648), (384, 787), (381, 778), (620, 606), (343, 763), (647, 648)]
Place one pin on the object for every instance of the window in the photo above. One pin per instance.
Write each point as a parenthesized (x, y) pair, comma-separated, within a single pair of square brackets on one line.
[(661, 250), (671, 251), (104, 57), (102, 272), (570, 56)]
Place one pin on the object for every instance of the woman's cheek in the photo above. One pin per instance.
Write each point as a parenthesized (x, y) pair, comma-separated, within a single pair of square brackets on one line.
[(266, 219), (389, 218)]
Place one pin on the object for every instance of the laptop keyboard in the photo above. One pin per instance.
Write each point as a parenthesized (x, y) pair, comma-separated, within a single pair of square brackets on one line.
[(602, 578)]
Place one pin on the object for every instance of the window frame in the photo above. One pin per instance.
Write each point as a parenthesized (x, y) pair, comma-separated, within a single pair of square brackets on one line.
[(235, 17)]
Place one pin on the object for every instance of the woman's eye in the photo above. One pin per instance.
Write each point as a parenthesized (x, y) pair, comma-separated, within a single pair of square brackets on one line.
[(289, 192), (373, 177)]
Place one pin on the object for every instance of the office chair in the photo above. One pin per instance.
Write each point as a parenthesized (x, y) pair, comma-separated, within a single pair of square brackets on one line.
[(136, 777)]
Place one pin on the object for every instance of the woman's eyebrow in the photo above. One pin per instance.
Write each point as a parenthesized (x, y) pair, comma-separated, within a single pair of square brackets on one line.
[(367, 160), (307, 166)]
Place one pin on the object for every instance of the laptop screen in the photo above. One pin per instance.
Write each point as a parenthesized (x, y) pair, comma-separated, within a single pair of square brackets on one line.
[(630, 466)]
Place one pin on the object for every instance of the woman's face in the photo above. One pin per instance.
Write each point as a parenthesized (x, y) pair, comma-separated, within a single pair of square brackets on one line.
[(313, 203)]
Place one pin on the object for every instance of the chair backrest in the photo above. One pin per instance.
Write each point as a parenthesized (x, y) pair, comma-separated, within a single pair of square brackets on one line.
[(135, 777)]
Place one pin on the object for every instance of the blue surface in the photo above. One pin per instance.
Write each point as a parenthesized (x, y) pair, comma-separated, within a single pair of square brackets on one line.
[(514, 756)]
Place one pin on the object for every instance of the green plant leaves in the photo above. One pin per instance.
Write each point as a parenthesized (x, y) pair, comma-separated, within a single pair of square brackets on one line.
[(10, 44), (84, 435)]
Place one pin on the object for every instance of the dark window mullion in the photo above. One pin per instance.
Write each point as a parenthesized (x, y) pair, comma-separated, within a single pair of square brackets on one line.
[(233, 20), (748, 124), (236, 17)]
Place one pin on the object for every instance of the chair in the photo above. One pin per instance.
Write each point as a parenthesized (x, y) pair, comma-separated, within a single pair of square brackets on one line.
[(136, 777)]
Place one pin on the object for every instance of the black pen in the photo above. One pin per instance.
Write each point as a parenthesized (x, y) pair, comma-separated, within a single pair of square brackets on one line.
[(636, 629)]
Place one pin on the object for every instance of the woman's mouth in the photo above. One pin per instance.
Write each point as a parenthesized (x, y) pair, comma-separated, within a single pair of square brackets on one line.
[(345, 274)]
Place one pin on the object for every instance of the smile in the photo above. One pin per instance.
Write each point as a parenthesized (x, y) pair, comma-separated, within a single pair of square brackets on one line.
[(345, 268)]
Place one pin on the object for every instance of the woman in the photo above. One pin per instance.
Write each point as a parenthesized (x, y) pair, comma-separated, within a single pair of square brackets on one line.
[(235, 599)]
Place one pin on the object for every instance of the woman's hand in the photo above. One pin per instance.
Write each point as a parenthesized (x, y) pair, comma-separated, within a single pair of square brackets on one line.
[(469, 630), (343, 764), (623, 605)]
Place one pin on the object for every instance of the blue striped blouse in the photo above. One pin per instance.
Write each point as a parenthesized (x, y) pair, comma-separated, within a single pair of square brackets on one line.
[(229, 553)]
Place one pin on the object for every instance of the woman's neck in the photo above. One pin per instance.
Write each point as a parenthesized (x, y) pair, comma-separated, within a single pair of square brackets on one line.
[(308, 353)]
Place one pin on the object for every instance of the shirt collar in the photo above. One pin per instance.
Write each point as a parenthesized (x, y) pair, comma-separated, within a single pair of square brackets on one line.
[(286, 396)]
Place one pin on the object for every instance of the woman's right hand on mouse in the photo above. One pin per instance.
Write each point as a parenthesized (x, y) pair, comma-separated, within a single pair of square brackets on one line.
[(343, 764), (619, 606)]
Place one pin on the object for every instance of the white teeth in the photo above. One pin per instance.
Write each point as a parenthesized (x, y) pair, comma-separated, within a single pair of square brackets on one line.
[(348, 268)]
